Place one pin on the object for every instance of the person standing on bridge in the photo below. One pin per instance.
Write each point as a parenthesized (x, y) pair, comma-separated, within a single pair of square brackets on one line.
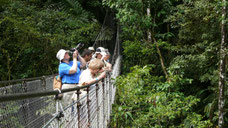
[(106, 58), (93, 73), (91, 49), (69, 72), (101, 53), (87, 56)]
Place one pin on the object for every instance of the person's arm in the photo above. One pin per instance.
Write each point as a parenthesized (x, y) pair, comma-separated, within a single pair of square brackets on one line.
[(73, 69), (82, 61), (108, 66), (101, 76)]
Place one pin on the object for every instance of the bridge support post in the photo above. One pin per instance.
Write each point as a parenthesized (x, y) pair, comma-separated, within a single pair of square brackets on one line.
[(103, 94), (43, 82), (107, 100), (110, 95), (78, 108), (57, 111), (97, 88), (88, 107)]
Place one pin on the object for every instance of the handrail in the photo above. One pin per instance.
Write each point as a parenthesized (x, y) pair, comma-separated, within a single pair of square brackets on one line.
[(25, 79), (20, 96)]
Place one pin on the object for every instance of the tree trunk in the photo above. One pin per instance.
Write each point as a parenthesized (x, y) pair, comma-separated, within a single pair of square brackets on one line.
[(149, 35), (149, 38), (161, 60), (222, 68)]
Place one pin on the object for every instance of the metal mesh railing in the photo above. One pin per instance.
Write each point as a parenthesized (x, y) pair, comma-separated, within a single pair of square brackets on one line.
[(27, 86), (27, 113), (92, 109)]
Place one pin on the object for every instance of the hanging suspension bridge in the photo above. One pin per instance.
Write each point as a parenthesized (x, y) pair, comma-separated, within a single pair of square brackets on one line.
[(32, 102)]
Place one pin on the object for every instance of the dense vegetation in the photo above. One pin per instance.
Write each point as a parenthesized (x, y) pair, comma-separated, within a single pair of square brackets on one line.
[(170, 68), (171, 49), (33, 31)]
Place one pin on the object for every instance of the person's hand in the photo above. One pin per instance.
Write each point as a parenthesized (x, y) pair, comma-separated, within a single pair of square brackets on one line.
[(75, 54), (102, 58), (102, 75), (107, 69)]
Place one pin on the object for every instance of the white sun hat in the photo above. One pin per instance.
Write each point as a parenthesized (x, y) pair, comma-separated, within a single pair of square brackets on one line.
[(60, 55), (101, 50), (91, 49)]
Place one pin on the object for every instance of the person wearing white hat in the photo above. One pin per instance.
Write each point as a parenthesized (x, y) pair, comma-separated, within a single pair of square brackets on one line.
[(91, 49), (69, 71), (106, 58), (101, 54)]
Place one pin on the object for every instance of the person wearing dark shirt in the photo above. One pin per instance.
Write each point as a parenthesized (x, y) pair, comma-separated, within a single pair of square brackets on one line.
[(87, 56)]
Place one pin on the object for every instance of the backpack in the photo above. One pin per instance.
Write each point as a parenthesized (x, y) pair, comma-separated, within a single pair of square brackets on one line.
[(57, 82)]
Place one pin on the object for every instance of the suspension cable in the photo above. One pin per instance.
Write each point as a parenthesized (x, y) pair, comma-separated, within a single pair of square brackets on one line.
[(25, 79)]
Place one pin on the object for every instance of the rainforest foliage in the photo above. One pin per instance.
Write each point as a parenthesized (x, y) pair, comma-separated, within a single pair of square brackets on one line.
[(33, 31), (171, 49), (170, 67)]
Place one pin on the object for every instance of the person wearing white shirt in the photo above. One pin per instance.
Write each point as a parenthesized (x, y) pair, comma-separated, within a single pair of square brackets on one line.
[(93, 73)]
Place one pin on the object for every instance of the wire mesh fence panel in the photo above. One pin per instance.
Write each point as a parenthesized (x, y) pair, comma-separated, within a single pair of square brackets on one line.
[(29, 113), (35, 112), (48, 83), (42, 84), (83, 114), (11, 89)]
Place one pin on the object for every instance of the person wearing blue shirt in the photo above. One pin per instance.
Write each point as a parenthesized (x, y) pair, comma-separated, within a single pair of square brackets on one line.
[(64, 72), (69, 72)]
